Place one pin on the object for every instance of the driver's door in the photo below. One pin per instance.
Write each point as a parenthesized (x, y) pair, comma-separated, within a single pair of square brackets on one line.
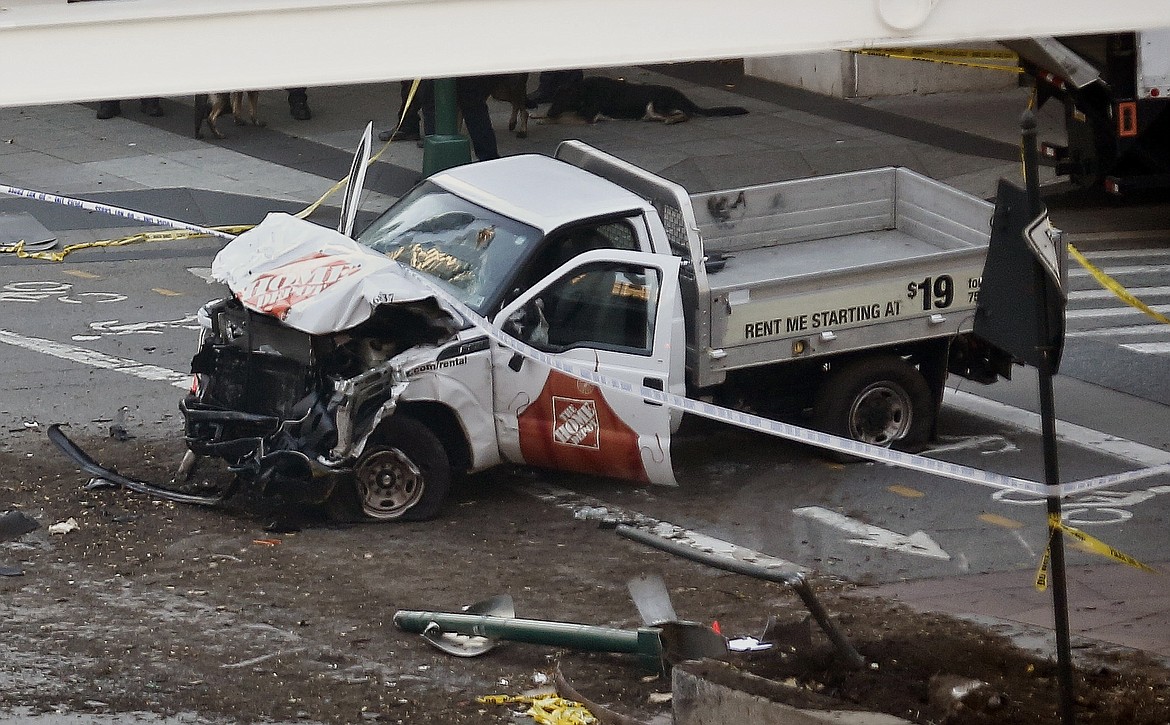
[(612, 312)]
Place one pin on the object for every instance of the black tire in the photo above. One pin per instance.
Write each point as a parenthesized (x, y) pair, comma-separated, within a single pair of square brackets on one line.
[(881, 400), (403, 475)]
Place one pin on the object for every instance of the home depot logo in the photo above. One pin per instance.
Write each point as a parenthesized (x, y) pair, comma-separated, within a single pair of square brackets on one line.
[(277, 290), (575, 422)]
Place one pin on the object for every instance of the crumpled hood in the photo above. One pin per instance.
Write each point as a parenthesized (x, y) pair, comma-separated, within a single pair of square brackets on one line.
[(314, 279)]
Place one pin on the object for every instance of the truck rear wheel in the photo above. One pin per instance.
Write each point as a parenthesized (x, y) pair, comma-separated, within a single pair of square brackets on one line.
[(882, 400), (404, 474)]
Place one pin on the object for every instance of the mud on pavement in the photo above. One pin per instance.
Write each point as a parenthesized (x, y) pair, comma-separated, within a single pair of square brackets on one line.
[(151, 606)]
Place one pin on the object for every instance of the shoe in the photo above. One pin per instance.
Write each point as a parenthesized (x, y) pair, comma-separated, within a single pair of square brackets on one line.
[(109, 109), (151, 107), (401, 134), (299, 109)]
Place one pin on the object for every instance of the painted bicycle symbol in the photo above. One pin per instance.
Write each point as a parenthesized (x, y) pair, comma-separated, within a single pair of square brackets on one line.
[(1096, 508), (38, 291)]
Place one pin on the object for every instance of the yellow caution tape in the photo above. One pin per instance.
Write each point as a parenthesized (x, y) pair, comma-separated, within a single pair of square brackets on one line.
[(1008, 61), (1116, 288), (985, 53), (168, 235), (1090, 543), (302, 214), (546, 709), (171, 235)]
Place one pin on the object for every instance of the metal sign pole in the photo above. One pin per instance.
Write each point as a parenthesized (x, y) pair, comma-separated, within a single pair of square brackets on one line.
[(1045, 372)]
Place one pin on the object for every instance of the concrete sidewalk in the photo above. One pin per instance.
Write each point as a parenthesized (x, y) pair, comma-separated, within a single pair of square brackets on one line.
[(967, 140)]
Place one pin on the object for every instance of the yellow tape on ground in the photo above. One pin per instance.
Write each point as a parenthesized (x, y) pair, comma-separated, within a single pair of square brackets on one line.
[(546, 709), (1115, 287), (168, 235), (1090, 543)]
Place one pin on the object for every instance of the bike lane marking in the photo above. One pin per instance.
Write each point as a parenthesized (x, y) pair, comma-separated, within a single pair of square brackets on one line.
[(1078, 435)]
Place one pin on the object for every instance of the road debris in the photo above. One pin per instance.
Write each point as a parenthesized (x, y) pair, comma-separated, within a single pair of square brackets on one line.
[(15, 524), (64, 527), (546, 709)]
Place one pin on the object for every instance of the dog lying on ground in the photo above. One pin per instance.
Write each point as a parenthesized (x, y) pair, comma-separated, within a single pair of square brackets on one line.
[(596, 97), (513, 88), (210, 106)]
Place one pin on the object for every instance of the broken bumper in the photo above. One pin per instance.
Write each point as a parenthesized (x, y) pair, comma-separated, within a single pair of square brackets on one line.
[(93, 468)]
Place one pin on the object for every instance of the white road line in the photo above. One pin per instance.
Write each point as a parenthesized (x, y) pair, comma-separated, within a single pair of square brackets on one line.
[(1152, 328), (919, 543), (1148, 348), (1070, 433), (1104, 294), (1115, 271), (1097, 312), (96, 359)]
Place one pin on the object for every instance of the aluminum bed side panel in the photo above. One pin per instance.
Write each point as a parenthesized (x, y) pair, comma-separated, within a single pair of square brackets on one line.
[(795, 211)]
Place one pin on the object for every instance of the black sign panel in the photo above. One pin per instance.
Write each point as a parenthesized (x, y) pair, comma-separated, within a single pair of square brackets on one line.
[(1021, 306)]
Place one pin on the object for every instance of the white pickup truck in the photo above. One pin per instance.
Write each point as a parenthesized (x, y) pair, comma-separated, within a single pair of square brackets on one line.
[(848, 298)]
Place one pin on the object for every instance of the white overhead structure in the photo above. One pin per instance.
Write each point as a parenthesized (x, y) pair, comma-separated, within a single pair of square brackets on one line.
[(55, 52)]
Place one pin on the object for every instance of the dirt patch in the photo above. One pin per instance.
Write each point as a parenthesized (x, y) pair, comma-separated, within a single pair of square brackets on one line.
[(170, 608)]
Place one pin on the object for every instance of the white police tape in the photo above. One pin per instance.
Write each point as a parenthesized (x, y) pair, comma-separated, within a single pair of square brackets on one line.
[(111, 210), (785, 430), (678, 402)]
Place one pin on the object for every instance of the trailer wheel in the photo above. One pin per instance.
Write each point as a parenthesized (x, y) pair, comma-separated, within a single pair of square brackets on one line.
[(882, 400), (404, 474)]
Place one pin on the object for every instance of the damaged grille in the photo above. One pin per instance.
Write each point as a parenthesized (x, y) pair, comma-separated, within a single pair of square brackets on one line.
[(255, 364)]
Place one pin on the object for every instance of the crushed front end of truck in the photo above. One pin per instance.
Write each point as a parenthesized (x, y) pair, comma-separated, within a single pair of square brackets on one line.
[(297, 370)]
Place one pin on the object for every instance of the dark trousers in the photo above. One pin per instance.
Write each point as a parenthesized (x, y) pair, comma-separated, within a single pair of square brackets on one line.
[(471, 97)]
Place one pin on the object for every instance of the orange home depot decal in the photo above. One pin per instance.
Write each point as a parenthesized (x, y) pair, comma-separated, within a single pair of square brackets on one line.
[(275, 291), (571, 427)]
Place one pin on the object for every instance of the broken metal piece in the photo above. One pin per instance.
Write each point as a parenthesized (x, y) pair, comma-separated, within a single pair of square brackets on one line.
[(850, 656), (471, 645), (88, 465), (652, 600)]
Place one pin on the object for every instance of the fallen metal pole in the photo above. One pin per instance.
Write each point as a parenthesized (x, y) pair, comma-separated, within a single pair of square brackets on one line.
[(645, 641), (796, 581)]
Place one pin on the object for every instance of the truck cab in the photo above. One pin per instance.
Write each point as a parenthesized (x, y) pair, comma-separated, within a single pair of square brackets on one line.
[(372, 361)]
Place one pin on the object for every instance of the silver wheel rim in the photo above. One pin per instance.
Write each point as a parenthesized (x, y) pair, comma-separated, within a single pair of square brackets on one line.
[(880, 415), (389, 484)]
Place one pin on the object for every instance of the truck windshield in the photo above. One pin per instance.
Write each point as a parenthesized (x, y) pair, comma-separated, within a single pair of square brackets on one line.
[(472, 250)]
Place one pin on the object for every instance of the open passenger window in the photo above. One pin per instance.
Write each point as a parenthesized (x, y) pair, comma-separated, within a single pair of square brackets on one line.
[(608, 305)]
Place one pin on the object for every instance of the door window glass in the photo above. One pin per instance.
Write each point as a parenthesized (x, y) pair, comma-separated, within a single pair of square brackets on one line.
[(606, 305)]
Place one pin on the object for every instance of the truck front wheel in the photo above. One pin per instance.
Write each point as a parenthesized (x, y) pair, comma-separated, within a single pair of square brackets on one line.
[(882, 400), (404, 474)]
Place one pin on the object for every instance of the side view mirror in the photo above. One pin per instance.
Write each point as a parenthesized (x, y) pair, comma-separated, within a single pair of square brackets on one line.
[(528, 324)]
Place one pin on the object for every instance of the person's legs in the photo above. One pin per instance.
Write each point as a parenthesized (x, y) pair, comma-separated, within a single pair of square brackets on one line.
[(425, 97), (298, 104), (408, 129), (471, 96)]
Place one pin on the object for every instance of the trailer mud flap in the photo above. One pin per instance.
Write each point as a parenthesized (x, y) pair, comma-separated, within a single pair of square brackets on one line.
[(93, 468)]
